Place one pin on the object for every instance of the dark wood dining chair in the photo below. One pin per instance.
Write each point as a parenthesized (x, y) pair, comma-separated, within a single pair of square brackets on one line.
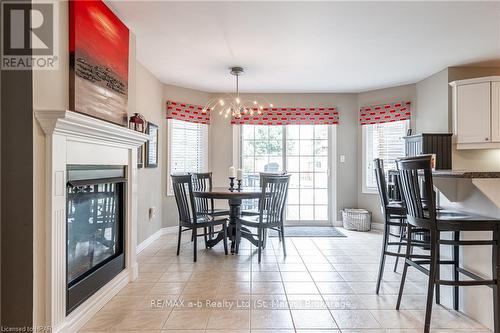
[(271, 212), (255, 212), (202, 181), (412, 170), (189, 218), (394, 213)]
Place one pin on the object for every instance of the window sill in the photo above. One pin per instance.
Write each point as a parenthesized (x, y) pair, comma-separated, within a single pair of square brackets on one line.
[(369, 191)]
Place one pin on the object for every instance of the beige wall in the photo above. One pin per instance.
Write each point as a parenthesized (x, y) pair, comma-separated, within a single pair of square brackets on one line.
[(149, 98), (371, 201), (433, 114)]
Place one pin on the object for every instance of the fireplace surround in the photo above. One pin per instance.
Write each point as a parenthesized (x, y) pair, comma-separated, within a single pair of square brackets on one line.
[(73, 140)]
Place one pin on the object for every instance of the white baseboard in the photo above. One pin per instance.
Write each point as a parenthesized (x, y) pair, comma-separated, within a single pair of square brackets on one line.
[(377, 226), (148, 241)]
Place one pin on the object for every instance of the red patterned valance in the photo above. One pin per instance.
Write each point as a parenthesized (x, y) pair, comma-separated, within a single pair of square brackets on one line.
[(188, 112), (384, 113), (288, 116)]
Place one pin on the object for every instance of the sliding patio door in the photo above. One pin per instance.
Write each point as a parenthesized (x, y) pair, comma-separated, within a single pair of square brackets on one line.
[(301, 150)]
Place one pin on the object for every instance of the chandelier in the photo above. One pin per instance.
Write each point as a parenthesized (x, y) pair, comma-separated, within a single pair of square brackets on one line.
[(236, 105)]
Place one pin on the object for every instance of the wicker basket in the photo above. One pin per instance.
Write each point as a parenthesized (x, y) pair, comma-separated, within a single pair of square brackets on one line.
[(356, 219)]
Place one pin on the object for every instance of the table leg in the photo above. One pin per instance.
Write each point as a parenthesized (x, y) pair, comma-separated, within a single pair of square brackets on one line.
[(234, 214)]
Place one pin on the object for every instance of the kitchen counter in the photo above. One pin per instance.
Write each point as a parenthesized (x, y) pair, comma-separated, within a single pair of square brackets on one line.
[(456, 185), (465, 174), (460, 174)]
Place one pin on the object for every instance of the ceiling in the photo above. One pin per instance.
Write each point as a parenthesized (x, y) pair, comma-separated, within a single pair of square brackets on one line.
[(308, 46)]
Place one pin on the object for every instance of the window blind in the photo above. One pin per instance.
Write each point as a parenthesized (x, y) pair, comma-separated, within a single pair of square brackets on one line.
[(188, 147), (385, 141)]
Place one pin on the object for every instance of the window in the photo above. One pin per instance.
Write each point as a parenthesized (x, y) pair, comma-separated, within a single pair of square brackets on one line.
[(302, 151), (383, 141), (188, 147), (261, 151)]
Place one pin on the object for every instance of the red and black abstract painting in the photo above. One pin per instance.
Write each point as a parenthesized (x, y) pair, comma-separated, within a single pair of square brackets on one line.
[(98, 48)]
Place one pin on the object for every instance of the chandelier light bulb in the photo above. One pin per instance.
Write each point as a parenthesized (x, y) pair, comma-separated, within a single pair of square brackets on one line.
[(232, 105)]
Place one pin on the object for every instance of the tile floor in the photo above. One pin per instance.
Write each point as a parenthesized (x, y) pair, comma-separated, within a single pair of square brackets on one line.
[(323, 285)]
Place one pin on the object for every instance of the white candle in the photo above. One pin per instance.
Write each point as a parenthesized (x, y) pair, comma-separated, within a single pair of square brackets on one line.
[(232, 172), (239, 174)]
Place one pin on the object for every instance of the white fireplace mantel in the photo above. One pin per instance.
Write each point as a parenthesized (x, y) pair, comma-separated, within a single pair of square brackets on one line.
[(76, 125), (74, 138)]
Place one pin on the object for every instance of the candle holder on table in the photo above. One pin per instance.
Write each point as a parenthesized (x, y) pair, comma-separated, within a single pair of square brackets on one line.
[(231, 183), (239, 185)]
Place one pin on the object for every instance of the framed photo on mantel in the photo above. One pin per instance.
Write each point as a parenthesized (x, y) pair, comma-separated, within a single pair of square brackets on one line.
[(152, 146)]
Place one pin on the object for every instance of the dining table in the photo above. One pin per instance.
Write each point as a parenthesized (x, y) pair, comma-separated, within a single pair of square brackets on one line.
[(234, 197)]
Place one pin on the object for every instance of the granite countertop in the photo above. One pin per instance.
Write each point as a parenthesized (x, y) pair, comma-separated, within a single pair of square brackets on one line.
[(465, 174), (461, 174)]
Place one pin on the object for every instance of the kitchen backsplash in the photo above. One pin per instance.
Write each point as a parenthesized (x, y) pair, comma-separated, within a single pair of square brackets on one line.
[(480, 160)]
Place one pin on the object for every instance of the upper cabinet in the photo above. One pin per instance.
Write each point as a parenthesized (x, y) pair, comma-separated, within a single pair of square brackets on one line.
[(495, 111), (476, 113)]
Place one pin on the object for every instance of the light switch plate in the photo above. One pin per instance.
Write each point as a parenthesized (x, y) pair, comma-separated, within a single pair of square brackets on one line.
[(152, 213), (342, 158)]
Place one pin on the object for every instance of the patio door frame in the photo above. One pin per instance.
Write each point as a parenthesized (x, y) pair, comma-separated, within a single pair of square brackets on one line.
[(332, 171)]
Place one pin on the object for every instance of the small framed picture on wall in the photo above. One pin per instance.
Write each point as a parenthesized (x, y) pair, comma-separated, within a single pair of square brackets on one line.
[(140, 156), (152, 146)]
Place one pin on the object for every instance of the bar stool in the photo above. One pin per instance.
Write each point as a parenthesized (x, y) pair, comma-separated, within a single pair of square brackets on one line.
[(411, 169), (394, 216)]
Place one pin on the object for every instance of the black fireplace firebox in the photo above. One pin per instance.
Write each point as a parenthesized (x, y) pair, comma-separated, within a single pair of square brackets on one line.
[(95, 216)]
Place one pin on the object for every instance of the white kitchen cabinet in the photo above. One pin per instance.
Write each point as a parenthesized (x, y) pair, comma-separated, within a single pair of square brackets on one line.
[(495, 111), (476, 113)]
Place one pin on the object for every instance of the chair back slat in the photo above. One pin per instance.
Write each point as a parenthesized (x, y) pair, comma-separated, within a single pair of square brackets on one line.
[(273, 199), (411, 171), (183, 192), (399, 188), (381, 183), (202, 181)]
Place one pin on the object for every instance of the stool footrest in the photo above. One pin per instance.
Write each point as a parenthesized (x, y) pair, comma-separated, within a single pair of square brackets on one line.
[(466, 242)]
